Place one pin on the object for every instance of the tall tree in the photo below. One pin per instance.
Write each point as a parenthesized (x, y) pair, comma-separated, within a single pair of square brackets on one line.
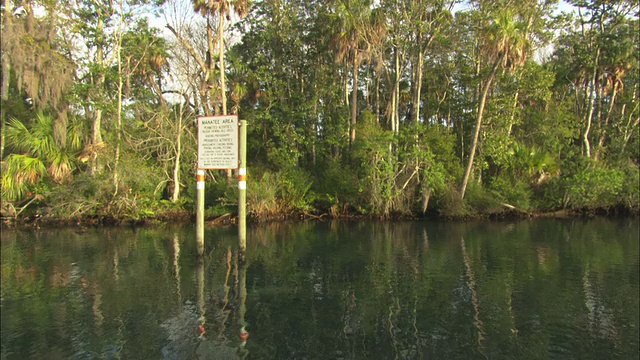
[(95, 28), (221, 8), (139, 51), (358, 29), (429, 23), (596, 56), (34, 49), (505, 45)]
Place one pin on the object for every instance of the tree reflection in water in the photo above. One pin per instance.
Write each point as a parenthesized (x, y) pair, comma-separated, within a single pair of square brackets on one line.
[(530, 289)]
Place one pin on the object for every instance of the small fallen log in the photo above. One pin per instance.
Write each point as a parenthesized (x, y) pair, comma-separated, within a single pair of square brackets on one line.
[(516, 210), (220, 220)]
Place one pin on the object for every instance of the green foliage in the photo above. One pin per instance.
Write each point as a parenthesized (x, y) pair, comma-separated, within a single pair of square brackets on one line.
[(295, 185), (630, 192), (375, 165), (481, 200), (440, 141), (20, 174), (338, 187), (434, 178), (274, 195), (516, 192), (221, 196), (529, 163), (595, 186), (550, 196), (262, 197), (37, 156), (285, 81), (447, 204)]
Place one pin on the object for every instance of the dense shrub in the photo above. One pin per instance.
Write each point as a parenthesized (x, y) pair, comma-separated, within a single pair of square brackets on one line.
[(593, 187), (516, 192), (480, 199)]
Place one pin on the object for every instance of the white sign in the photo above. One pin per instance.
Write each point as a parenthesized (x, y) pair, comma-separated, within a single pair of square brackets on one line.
[(218, 142)]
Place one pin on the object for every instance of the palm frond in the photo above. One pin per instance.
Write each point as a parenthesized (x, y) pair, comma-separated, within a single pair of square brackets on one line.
[(18, 136), (20, 174), (61, 167)]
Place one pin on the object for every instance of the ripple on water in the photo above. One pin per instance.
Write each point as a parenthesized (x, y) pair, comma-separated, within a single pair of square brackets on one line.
[(566, 338)]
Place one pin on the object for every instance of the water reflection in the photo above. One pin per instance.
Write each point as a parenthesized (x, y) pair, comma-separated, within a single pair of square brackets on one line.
[(243, 334), (201, 330), (533, 289), (471, 284), (176, 267), (200, 297)]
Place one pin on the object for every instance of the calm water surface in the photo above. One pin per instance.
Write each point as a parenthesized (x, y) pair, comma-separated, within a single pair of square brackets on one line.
[(563, 289)]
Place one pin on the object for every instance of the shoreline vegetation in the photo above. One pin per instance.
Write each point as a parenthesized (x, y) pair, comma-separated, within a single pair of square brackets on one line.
[(181, 216), (355, 109)]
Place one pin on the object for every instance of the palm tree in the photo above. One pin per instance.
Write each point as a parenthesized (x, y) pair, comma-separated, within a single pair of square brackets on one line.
[(145, 58), (359, 30), (36, 155), (222, 8), (506, 45)]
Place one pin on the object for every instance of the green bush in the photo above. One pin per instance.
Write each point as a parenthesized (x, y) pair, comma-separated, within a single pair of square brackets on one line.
[(446, 203), (513, 192), (262, 196), (295, 184), (594, 187), (630, 192), (551, 195), (337, 187), (480, 199)]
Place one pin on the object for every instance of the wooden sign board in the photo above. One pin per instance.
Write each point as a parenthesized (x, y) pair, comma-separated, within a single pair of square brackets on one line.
[(218, 142)]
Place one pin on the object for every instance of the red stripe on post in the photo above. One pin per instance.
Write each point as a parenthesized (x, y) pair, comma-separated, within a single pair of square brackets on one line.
[(200, 178), (242, 177)]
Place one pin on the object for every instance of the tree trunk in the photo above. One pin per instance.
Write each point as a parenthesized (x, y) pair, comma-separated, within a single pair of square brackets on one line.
[(513, 113), (591, 106), (223, 86), (96, 141), (631, 123), (116, 160), (96, 136), (118, 44), (346, 87), (474, 142), (206, 66), (417, 89), (391, 110), (314, 126), (354, 99), (6, 73), (377, 104), (396, 92), (210, 109), (175, 196), (603, 132)]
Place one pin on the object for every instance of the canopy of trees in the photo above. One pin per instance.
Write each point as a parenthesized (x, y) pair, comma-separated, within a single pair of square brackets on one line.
[(355, 107)]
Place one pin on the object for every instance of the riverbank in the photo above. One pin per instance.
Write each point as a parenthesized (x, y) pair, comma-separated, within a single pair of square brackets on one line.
[(181, 216)]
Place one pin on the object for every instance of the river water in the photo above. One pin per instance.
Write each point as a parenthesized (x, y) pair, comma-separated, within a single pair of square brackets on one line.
[(535, 289)]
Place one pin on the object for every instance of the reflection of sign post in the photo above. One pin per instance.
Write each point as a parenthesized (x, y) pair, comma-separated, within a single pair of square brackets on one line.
[(218, 142)]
